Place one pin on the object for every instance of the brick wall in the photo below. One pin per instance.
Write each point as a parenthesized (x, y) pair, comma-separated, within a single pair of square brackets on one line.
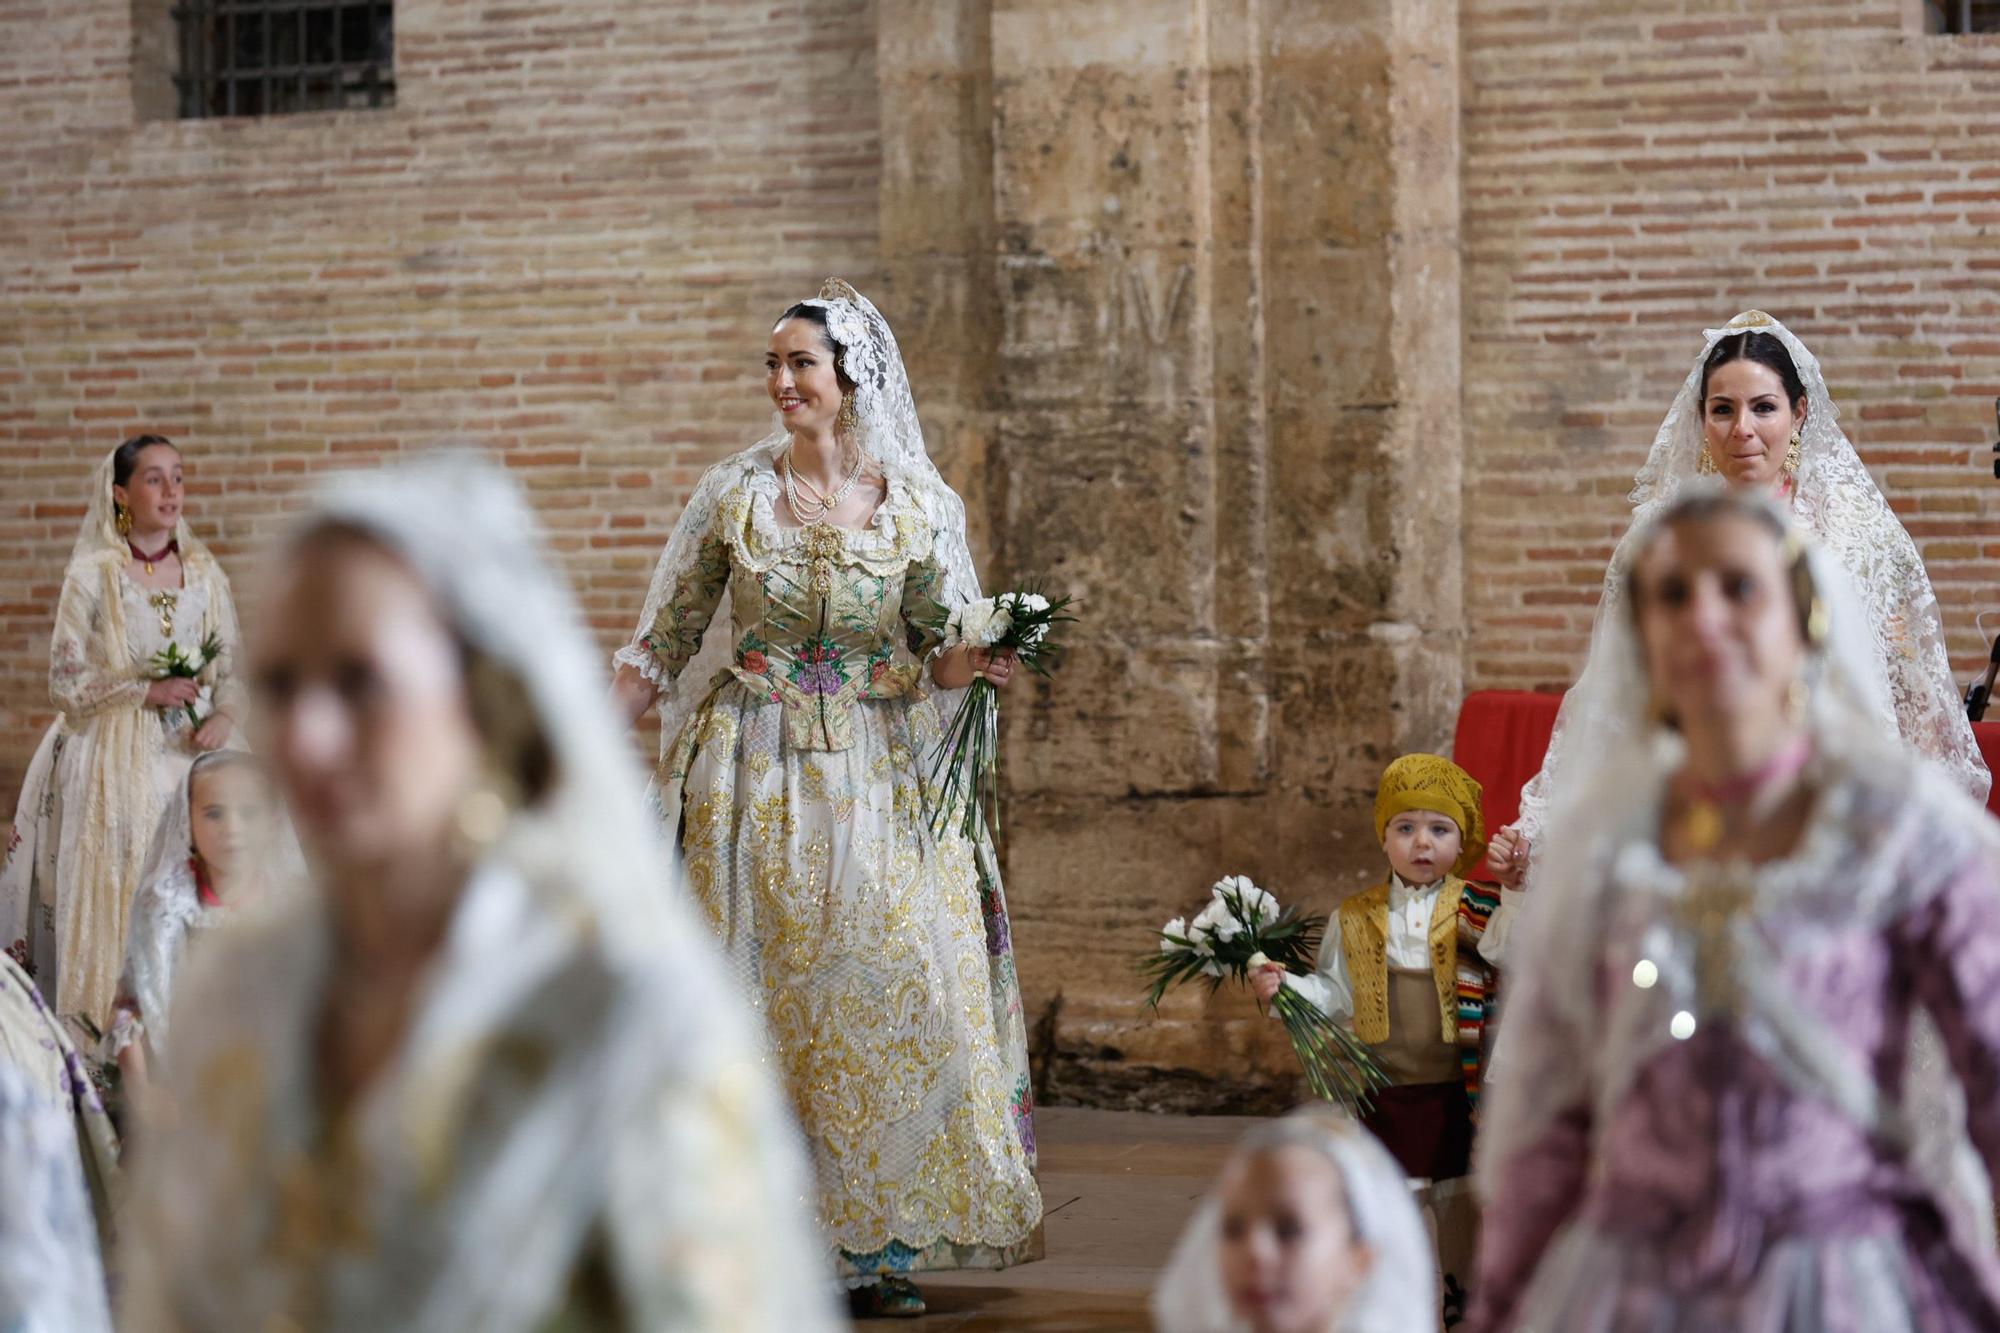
[(566, 239), (567, 236), (1634, 173)]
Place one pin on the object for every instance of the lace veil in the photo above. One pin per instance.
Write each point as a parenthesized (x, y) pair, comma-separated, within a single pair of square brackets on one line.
[(99, 537), (1400, 1291), (1561, 1051), (1838, 503), (167, 905), (589, 832), (571, 905), (887, 430)]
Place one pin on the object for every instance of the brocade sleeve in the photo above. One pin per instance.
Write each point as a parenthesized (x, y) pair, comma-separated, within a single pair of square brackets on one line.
[(668, 642), (923, 612), (81, 683)]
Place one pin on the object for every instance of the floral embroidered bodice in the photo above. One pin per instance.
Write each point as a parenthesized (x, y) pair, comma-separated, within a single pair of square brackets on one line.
[(816, 612)]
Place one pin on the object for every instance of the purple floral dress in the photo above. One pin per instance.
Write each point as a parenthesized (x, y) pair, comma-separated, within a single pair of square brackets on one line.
[(1711, 1117)]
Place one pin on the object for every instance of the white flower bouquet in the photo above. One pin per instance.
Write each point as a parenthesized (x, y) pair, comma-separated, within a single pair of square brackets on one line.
[(966, 763), (1238, 931), (171, 663)]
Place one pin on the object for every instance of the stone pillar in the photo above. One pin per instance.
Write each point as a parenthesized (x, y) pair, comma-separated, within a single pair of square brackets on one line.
[(934, 64), (1219, 407)]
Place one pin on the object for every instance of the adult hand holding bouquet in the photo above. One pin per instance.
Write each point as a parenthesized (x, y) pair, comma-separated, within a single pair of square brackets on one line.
[(997, 631), (1241, 933)]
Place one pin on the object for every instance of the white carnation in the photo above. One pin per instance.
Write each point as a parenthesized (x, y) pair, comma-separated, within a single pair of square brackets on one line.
[(1198, 936), (1177, 929), (1258, 906), (981, 624)]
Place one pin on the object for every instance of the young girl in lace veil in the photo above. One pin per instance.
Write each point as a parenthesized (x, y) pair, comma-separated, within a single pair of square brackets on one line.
[(139, 582), (215, 853), (1750, 898), (486, 1074), (1312, 1228), (1815, 472), (791, 641)]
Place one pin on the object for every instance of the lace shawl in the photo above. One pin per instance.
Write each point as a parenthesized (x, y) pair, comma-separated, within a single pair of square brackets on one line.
[(1839, 504)]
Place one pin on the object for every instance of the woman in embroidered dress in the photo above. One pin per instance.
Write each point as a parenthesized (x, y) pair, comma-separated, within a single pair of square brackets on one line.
[(486, 1075), (213, 854), (1755, 411), (139, 582), (794, 778), (58, 1172), (1748, 897)]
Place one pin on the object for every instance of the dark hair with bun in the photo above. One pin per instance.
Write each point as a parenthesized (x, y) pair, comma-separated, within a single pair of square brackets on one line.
[(1766, 351), (815, 314), (126, 457)]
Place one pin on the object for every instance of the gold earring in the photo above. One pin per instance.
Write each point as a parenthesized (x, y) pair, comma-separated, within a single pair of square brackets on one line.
[(123, 520), (1793, 454), (1705, 465), (847, 419), (1798, 696)]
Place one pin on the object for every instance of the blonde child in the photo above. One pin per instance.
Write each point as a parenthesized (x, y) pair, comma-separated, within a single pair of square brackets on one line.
[(213, 854), (1311, 1229), (1400, 965)]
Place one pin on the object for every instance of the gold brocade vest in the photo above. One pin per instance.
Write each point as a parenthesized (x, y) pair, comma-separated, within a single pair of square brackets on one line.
[(1364, 938)]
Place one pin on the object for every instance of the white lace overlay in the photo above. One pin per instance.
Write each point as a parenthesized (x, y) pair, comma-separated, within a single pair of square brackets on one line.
[(1839, 504)]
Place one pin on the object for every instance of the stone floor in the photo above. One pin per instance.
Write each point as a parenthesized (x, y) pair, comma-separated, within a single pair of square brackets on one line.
[(1117, 1186)]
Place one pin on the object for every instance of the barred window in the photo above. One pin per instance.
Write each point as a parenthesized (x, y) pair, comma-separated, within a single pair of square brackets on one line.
[(1961, 17), (270, 57)]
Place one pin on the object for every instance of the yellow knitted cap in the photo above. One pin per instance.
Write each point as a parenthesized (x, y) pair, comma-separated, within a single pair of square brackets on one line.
[(1432, 782)]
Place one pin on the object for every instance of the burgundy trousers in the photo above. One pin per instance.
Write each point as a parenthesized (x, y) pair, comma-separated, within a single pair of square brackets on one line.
[(1425, 1126)]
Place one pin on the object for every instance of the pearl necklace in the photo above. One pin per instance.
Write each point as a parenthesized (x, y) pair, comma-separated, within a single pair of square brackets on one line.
[(815, 509)]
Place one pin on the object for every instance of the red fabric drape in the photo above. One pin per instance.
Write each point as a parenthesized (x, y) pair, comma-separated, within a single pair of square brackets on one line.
[(1502, 735)]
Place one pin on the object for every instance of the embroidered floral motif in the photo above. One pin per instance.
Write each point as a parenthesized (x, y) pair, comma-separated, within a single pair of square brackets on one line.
[(818, 667), (880, 954)]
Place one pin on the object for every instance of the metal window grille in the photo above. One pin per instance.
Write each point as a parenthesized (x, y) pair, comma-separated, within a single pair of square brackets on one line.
[(1962, 17), (272, 57)]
